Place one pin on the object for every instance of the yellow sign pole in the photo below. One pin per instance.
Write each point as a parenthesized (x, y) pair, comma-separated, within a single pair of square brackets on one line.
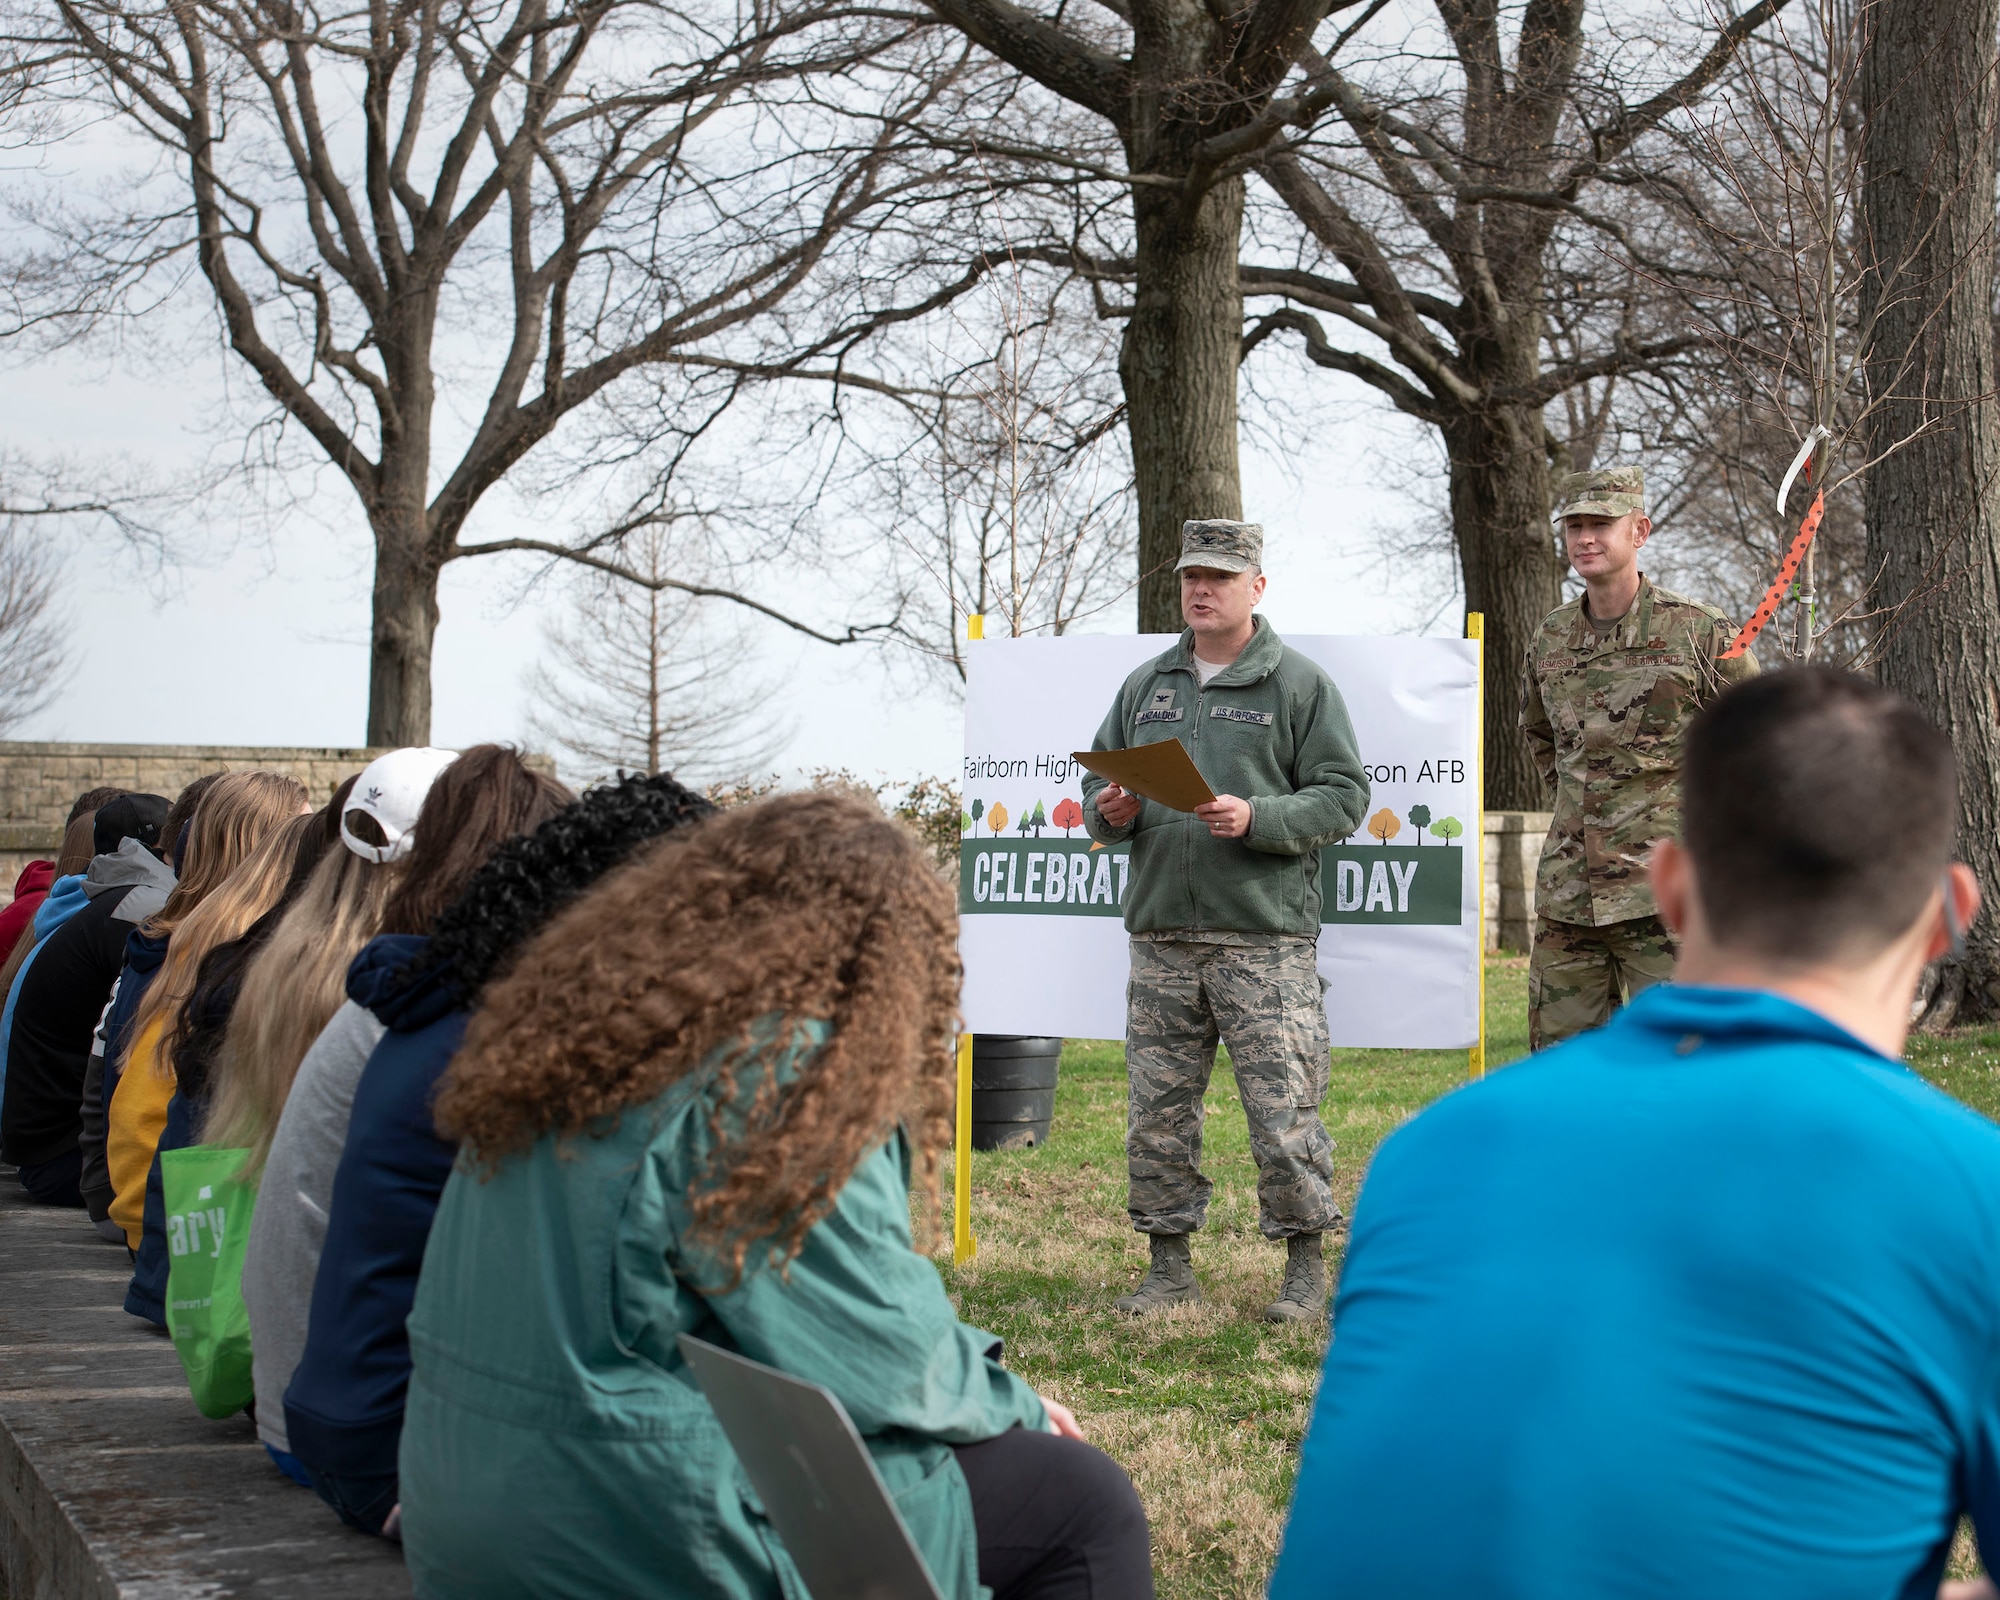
[(1475, 629), (963, 1246)]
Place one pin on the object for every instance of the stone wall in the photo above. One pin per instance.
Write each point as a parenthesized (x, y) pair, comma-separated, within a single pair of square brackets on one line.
[(1513, 845), (40, 781)]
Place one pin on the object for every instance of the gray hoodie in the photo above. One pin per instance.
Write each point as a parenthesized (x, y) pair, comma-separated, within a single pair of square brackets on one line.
[(288, 1228)]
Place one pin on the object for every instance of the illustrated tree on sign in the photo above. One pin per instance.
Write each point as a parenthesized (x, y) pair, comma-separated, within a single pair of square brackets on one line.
[(978, 811), (1067, 814), (1420, 819), (1026, 822), (965, 820), (996, 819), (1447, 828), (1038, 820), (1385, 825)]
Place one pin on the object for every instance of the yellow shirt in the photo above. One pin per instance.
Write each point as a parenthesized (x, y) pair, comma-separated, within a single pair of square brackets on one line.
[(138, 1115)]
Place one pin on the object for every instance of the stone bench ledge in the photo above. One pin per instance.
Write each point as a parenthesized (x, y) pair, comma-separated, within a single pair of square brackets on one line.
[(111, 1483)]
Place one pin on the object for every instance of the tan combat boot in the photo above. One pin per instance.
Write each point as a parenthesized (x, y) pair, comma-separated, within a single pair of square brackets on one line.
[(1169, 1282), (1303, 1298)]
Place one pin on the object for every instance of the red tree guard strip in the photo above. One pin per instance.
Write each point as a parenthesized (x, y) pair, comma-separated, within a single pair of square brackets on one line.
[(1780, 585)]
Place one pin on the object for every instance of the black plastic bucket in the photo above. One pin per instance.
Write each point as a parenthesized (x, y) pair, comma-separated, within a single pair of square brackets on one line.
[(1013, 1090)]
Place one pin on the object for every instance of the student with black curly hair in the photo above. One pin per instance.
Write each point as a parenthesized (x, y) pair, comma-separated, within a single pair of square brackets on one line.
[(343, 1409), (411, 839)]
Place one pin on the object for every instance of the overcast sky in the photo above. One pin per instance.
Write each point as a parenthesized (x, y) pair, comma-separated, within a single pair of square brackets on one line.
[(267, 643)]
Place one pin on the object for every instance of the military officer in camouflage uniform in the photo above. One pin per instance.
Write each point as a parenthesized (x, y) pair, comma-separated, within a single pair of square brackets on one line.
[(1223, 907), (1613, 679)]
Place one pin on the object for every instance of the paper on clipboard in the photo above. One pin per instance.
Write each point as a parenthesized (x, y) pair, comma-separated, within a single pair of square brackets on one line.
[(1164, 772)]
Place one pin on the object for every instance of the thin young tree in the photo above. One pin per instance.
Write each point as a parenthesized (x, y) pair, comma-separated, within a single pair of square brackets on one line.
[(1029, 507), (432, 230), (641, 678), (33, 654)]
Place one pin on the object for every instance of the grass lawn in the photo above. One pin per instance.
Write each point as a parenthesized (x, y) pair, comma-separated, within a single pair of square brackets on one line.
[(1206, 1406)]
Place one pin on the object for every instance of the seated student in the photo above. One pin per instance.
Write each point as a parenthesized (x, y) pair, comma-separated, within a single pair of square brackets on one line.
[(294, 1034), (1707, 1302), (143, 954), (227, 911), (693, 1104), (64, 899), (32, 887), (344, 1384), (233, 820), (63, 993)]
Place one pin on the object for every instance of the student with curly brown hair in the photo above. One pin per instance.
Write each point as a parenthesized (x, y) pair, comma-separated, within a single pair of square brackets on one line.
[(694, 1104)]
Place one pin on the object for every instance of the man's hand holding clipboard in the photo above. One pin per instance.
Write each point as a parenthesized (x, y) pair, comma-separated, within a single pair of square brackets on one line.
[(1166, 773)]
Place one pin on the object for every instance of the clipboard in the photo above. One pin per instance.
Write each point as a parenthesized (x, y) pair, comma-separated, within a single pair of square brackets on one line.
[(1162, 772)]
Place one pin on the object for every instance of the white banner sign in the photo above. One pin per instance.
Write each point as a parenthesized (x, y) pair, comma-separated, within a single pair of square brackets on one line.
[(1041, 925)]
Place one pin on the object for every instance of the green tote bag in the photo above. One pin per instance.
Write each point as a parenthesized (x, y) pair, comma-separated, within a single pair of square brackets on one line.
[(208, 1225)]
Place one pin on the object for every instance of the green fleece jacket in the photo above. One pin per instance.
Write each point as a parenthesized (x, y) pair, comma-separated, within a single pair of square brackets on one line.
[(1270, 729), (557, 1446)]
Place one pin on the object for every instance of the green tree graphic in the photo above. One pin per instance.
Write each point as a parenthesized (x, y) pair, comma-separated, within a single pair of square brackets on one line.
[(1420, 819), (1039, 820), (978, 811), (1447, 828)]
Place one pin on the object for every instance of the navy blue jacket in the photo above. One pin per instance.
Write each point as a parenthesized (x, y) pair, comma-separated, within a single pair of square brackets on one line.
[(344, 1407)]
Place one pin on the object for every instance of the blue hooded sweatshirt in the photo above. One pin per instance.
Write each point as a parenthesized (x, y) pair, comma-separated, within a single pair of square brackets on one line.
[(65, 899), (344, 1407)]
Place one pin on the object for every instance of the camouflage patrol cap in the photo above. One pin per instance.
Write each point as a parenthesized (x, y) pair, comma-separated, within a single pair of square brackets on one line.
[(1606, 492), (1226, 546)]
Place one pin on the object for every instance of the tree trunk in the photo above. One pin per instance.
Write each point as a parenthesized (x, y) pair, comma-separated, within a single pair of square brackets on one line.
[(402, 624), (1929, 106), (1178, 363), (1506, 554)]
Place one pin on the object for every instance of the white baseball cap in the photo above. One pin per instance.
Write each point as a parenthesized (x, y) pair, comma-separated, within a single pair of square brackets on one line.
[(390, 792)]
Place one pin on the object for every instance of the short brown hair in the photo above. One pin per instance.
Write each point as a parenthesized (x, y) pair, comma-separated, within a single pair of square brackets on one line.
[(488, 794), (1818, 809), (92, 800)]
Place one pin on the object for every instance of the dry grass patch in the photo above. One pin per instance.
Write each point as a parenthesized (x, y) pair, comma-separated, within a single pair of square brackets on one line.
[(1205, 1406)]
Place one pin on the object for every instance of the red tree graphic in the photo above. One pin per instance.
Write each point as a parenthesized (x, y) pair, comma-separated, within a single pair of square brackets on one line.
[(1067, 814)]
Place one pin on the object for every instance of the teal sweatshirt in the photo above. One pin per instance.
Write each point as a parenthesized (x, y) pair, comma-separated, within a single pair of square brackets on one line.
[(1271, 729), (555, 1444)]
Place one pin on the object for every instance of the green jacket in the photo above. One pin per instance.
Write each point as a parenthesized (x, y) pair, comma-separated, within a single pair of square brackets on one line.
[(1605, 716), (555, 1443), (1271, 729)]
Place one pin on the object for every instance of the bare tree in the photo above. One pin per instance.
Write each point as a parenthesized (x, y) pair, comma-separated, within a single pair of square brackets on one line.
[(429, 226), (33, 653), (643, 680), (1170, 101), (1439, 197)]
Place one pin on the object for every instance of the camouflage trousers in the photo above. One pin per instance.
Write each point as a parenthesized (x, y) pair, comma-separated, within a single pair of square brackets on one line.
[(1579, 975), (1264, 1001)]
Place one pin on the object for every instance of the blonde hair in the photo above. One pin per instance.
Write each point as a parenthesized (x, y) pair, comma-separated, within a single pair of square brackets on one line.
[(238, 812), (236, 902), (233, 827), (291, 990)]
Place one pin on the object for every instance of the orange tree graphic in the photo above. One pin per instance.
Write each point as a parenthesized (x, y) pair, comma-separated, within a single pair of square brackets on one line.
[(996, 818), (1067, 814), (1385, 825)]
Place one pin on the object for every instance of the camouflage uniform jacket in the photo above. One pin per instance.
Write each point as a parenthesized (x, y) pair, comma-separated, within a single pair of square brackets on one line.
[(1604, 718)]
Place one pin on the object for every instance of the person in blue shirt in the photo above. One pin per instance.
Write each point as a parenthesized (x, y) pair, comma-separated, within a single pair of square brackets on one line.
[(1705, 1303)]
